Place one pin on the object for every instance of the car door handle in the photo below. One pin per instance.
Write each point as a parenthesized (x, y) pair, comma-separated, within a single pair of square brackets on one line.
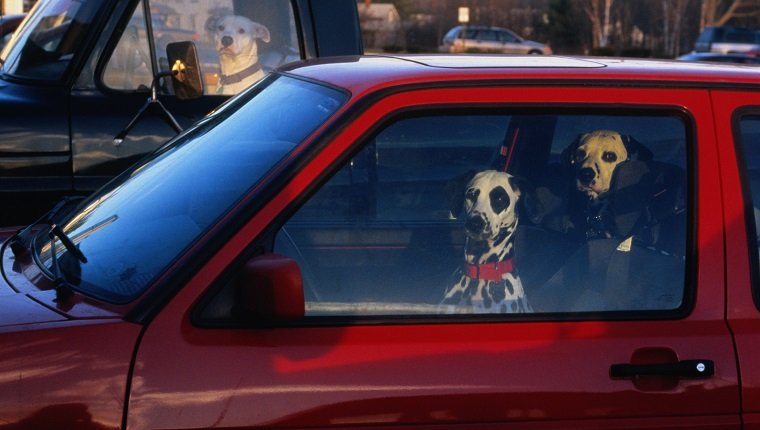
[(681, 369)]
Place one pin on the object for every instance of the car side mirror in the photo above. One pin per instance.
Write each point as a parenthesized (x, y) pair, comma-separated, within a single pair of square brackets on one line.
[(185, 70), (270, 289)]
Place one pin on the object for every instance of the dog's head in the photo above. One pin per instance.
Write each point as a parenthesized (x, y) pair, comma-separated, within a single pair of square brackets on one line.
[(236, 35), (490, 205), (595, 155)]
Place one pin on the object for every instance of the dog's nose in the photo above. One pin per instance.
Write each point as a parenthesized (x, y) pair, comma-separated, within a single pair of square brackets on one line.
[(227, 41), (475, 225), (586, 175)]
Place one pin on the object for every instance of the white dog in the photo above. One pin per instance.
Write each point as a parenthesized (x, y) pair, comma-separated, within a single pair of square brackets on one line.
[(236, 41), (488, 282)]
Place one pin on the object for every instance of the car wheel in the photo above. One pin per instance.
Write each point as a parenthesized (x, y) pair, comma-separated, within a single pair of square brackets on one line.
[(535, 52)]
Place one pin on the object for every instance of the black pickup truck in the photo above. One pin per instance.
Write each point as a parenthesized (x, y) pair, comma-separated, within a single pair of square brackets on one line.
[(78, 71)]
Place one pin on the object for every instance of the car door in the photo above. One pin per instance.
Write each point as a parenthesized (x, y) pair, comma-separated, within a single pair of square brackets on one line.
[(627, 330), (738, 118)]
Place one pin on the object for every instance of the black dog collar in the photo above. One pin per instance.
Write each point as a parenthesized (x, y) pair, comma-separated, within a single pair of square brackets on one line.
[(239, 76)]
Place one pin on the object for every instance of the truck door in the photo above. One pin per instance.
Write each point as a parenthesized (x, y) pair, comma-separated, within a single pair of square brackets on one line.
[(117, 81)]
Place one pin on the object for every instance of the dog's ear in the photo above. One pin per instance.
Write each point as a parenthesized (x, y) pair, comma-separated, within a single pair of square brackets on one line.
[(636, 150), (260, 31), (215, 14), (455, 189), (567, 157), (529, 203)]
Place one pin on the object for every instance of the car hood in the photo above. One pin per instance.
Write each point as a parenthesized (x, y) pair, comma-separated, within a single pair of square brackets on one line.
[(20, 308), (28, 297)]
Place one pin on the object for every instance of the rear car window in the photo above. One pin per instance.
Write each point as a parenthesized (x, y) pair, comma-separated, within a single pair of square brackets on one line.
[(588, 209)]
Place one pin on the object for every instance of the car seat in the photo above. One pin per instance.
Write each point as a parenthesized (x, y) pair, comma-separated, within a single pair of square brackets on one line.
[(642, 265)]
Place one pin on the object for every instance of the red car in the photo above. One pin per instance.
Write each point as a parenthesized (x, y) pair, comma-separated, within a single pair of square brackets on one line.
[(425, 241)]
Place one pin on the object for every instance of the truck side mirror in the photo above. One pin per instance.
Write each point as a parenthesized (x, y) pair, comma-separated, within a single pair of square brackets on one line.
[(186, 80), (270, 289), (185, 70)]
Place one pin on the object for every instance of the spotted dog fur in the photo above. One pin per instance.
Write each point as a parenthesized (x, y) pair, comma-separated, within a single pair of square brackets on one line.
[(487, 282)]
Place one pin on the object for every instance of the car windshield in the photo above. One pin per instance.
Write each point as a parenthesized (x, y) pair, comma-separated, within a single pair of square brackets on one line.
[(47, 42), (136, 226)]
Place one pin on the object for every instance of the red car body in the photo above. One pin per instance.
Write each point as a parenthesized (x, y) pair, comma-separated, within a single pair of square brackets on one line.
[(82, 362)]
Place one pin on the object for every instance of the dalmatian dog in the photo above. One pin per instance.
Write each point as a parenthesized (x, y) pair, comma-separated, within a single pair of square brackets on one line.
[(488, 281), (236, 41)]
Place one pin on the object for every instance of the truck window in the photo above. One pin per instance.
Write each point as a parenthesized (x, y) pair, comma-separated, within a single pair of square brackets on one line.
[(236, 48), (50, 39)]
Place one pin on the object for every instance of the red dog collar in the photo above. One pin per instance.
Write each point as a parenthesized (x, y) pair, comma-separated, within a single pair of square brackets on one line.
[(488, 272)]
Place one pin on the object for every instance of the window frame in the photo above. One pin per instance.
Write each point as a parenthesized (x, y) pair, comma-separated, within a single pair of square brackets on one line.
[(748, 205), (109, 46), (264, 244)]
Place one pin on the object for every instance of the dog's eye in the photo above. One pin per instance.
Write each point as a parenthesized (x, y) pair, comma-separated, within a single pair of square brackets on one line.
[(220, 28), (609, 157), (472, 194), (241, 30), (499, 199), (580, 155)]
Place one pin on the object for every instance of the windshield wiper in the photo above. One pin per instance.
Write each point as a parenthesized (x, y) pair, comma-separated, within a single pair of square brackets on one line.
[(50, 219), (62, 288), (55, 231)]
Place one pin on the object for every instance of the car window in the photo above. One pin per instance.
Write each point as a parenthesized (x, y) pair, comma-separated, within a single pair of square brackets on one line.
[(235, 50), (734, 35), (47, 43), (451, 35), (470, 33), (749, 149), (487, 35), (508, 37), (500, 211)]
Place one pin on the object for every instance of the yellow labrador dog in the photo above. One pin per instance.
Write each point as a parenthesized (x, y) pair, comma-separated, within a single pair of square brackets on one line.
[(597, 155), (595, 159), (236, 41)]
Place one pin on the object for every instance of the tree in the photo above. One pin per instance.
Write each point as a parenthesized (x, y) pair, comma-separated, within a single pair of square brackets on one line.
[(599, 13), (673, 12), (720, 12), (566, 27)]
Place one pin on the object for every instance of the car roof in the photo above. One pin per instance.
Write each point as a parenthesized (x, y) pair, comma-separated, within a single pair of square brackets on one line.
[(360, 74)]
